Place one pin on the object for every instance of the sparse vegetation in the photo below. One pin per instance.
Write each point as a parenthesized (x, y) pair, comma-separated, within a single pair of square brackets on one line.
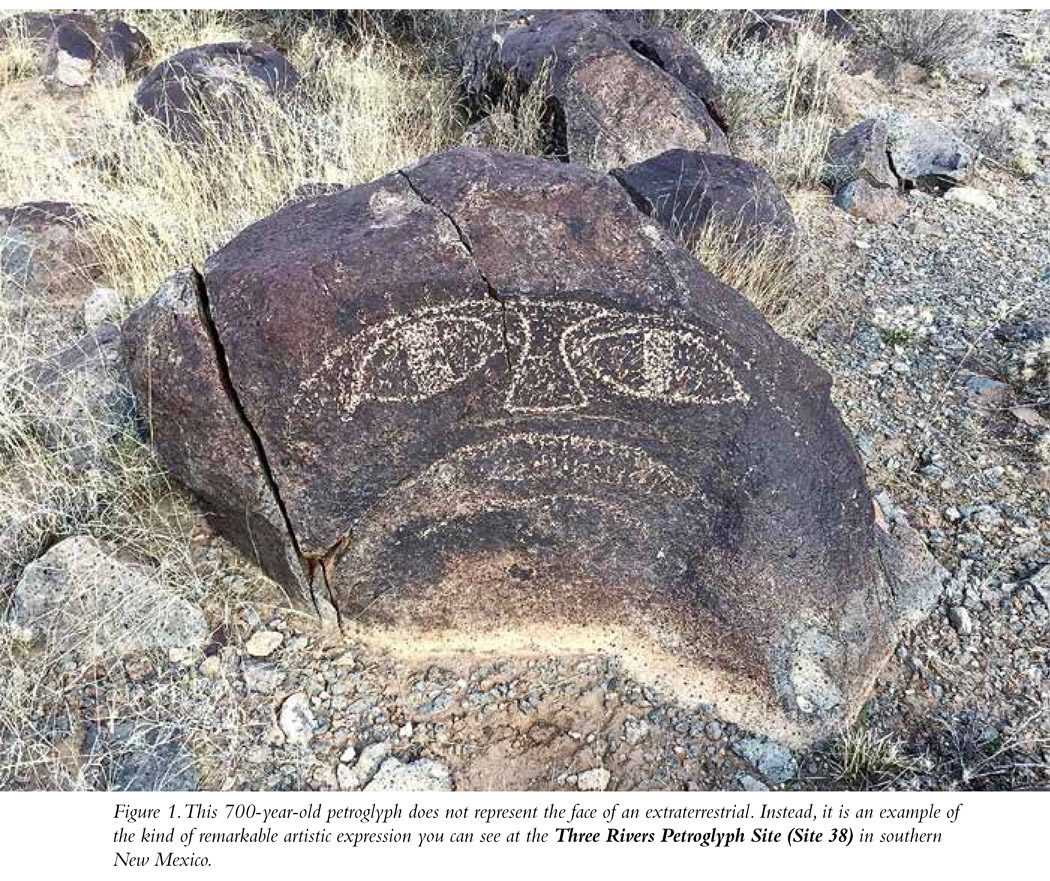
[(863, 759), (779, 97), (935, 39)]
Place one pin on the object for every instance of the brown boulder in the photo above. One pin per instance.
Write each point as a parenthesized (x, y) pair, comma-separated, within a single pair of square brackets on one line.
[(687, 191), (874, 204), (209, 86), (859, 153), (49, 260), (498, 409), (617, 93)]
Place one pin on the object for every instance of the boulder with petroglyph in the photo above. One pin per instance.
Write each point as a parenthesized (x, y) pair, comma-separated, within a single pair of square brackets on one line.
[(485, 404)]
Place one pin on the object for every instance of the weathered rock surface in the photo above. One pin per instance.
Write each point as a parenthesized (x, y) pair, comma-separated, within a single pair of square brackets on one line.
[(91, 606), (871, 203), (48, 252), (686, 191), (860, 154), (203, 438), (617, 93), (124, 53), (925, 153), (423, 775), (570, 438), (211, 85)]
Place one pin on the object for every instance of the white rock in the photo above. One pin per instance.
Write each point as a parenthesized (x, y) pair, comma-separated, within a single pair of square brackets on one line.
[(595, 780), (89, 605), (971, 196), (297, 719), (961, 620), (421, 776), (352, 779), (635, 730), (773, 760), (263, 643)]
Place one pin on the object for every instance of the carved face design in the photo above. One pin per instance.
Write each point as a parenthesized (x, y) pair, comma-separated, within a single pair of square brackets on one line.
[(551, 348), (484, 405)]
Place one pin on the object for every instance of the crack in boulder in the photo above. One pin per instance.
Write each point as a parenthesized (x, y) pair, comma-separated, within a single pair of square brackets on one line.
[(226, 380)]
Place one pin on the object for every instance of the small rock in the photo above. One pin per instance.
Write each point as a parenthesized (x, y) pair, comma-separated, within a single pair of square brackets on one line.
[(773, 760), (874, 204), (263, 643), (750, 784), (595, 780), (297, 719), (91, 605), (635, 731), (424, 775), (348, 755), (857, 154), (960, 620), (971, 196), (262, 678), (211, 667), (372, 756)]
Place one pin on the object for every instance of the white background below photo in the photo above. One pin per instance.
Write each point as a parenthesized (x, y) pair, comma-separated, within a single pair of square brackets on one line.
[(932, 835)]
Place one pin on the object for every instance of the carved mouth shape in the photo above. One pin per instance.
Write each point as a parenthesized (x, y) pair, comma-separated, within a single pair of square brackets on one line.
[(557, 464)]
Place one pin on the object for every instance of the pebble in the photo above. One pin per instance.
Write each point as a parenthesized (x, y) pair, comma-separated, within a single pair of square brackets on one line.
[(263, 643), (960, 619), (297, 720), (595, 780)]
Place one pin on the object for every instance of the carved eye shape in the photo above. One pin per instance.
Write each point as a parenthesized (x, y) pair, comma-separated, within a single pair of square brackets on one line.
[(424, 356), (657, 363)]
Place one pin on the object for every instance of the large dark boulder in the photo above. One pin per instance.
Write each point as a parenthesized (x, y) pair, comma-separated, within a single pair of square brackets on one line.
[(206, 87), (687, 192), (617, 93), (76, 49), (491, 406)]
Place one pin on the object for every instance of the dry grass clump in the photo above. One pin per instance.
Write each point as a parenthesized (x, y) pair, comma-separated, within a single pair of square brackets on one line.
[(778, 96), (935, 39), (864, 760), (763, 269), (18, 59), (521, 121)]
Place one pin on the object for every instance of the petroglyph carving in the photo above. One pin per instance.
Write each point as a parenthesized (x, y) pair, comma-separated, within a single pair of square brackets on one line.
[(551, 346), (527, 459)]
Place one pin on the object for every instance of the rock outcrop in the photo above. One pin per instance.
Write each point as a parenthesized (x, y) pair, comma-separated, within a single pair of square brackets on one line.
[(617, 93), (484, 403), (206, 87), (687, 191)]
